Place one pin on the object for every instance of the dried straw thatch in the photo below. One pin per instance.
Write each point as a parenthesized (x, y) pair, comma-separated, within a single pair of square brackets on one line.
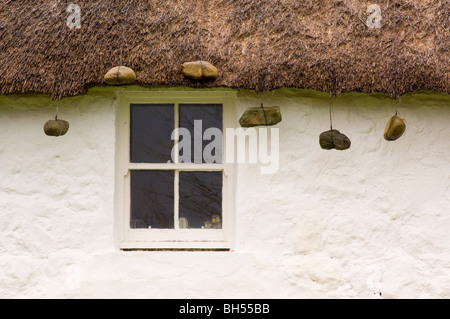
[(255, 44)]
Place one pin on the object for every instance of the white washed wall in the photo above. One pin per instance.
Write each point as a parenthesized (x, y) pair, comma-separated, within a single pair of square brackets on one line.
[(358, 223)]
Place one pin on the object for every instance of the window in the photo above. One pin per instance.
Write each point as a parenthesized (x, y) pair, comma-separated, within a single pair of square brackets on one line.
[(173, 187)]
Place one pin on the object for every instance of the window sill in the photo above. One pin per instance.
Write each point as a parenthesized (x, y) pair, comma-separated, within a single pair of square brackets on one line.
[(176, 245)]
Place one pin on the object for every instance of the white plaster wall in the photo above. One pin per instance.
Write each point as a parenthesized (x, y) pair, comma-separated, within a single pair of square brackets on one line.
[(368, 222)]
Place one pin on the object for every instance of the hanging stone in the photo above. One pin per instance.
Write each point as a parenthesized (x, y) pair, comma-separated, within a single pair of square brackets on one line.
[(258, 116), (333, 139), (56, 127), (120, 75), (394, 129), (200, 70)]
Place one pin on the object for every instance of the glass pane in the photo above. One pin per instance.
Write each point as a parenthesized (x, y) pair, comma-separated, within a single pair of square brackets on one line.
[(200, 200), (152, 199), (151, 133), (198, 119)]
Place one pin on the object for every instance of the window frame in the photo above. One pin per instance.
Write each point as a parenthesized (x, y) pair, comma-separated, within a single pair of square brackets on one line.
[(127, 238)]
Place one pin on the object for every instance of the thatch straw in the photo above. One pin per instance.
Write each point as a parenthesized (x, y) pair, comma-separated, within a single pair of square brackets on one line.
[(322, 45)]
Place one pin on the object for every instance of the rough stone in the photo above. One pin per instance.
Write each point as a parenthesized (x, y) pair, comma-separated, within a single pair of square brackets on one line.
[(333, 139), (56, 128), (200, 70), (394, 129), (258, 116), (120, 75)]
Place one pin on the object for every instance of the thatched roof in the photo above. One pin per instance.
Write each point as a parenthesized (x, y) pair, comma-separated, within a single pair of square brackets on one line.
[(322, 45)]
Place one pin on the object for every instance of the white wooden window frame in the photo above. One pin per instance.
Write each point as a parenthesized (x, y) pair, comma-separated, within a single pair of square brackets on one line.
[(127, 238)]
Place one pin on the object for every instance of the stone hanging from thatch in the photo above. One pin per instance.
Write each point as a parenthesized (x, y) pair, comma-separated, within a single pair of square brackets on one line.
[(120, 75), (200, 70), (261, 116), (56, 127), (394, 128), (333, 139)]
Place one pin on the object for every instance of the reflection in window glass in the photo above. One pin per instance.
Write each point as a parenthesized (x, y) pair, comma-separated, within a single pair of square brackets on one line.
[(200, 200), (151, 132), (152, 199), (211, 116)]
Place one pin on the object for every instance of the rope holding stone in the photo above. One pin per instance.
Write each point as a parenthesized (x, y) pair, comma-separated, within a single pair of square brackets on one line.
[(264, 112), (57, 110), (56, 127)]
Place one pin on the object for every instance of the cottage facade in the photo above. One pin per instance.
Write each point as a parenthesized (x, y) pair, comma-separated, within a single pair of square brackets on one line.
[(367, 222)]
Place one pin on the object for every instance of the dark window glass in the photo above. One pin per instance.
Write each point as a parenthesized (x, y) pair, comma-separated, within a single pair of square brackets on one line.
[(152, 199), (207, 116), (200, 200), (151, 132)]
